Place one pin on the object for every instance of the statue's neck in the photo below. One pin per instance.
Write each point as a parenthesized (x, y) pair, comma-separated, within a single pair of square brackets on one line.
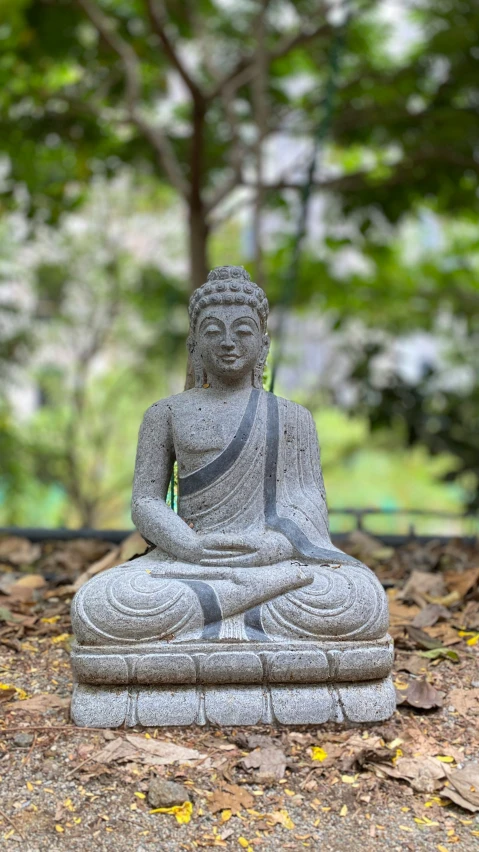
[(222, 386)]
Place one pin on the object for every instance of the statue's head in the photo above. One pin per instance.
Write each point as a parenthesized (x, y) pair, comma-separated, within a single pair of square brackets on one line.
[(228, 317)]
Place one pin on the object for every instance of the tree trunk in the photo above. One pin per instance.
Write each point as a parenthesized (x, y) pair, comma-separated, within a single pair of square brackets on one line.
[(260, 102), (198, 227), (198, 244)]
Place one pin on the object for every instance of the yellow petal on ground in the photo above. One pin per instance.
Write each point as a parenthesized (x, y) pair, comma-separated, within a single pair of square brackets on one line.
[(225, 815), (244, 843), (140, 795), (52, 620), (318, 753), (30, 786), (283, 818), (444, 758), (59, 828), (61, 638), (182, 812), (473, 640), (21, 694), (441, 848), (343, 810)]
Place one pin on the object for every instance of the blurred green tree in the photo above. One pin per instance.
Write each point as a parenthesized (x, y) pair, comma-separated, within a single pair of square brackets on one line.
[(192, 93)]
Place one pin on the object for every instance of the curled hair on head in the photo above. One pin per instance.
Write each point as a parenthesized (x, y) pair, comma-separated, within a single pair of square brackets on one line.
[(228, 285)]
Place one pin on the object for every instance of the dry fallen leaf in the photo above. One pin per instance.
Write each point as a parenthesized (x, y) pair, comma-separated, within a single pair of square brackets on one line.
[(466, 701), (6, 692), (39, 703), (462, 582), (430, 615), (465, 787), (413, 664), (232, 798), (270, 763), (422, 773), (147, 751), (18, 551), (357, 751), (422, 585), (421, 695), (26, 588), (422, 639)]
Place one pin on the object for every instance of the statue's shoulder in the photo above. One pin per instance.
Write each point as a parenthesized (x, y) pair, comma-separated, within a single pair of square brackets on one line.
[(170, 405), (291, 407)]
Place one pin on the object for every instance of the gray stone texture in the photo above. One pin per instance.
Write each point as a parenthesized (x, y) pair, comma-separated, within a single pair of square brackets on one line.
[(244, 611)]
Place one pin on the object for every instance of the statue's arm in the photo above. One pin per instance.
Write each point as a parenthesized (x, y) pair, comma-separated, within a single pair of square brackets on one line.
[(155, 457), (311, 459)]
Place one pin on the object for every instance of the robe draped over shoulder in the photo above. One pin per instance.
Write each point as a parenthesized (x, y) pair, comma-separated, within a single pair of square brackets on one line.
[(268, 478)]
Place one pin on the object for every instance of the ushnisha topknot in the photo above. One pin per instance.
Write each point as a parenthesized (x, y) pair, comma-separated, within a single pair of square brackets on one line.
[(229, 285)]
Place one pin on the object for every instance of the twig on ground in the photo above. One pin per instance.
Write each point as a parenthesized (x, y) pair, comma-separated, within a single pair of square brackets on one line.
[(7, 819)]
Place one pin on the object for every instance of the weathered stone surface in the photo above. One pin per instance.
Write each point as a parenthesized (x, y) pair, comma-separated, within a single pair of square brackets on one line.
[(291, 704), (244, 611)]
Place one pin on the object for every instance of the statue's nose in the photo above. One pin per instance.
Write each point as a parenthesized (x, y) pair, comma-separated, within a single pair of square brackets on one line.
[(227, 342)]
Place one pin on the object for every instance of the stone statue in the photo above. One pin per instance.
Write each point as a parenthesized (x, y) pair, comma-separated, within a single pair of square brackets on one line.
[(244, 611)]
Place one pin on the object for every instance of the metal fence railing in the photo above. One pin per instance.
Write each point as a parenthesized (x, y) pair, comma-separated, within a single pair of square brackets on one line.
[(393, 525), (407, 522)]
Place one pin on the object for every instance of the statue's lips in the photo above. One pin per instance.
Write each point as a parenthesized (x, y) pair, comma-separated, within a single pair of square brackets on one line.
[(229, 359)]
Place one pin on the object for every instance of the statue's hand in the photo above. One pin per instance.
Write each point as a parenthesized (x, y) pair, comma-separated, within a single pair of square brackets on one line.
[(246, 550)]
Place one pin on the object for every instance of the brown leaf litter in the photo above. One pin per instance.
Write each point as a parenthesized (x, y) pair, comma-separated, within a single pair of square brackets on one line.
[(410, 783)]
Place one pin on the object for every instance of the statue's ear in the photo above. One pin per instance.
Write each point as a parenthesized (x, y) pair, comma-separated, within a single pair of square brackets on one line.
[(194, 373), (259, 369)]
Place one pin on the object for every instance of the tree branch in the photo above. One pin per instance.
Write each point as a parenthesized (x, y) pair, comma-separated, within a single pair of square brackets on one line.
[(158, 20), (129, 59), (132, 75), (245, 69)]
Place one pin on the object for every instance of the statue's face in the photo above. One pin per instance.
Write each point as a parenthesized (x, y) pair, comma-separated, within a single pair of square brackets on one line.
[(229, 340)]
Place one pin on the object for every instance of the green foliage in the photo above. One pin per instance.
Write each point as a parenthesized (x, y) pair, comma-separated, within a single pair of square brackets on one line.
[(374, 470), (401, 147), (414, 113)]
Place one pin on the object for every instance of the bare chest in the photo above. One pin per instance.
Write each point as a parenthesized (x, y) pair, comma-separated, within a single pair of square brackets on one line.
[(203, 428)]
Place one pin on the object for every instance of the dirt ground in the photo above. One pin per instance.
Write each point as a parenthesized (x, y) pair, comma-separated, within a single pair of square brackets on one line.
[(411, 783)]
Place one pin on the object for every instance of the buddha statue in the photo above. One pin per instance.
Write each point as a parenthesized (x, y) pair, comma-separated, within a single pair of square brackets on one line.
[(243, 611)]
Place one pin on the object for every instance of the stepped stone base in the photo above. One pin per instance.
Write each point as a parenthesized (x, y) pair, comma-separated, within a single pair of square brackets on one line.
[(110, 707), (227, 683)]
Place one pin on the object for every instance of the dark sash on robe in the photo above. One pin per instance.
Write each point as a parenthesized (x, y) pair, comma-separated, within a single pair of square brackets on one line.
[(303, 523)]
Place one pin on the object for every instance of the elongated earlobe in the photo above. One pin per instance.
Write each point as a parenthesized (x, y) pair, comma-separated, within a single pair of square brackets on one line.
[(258, 371)]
